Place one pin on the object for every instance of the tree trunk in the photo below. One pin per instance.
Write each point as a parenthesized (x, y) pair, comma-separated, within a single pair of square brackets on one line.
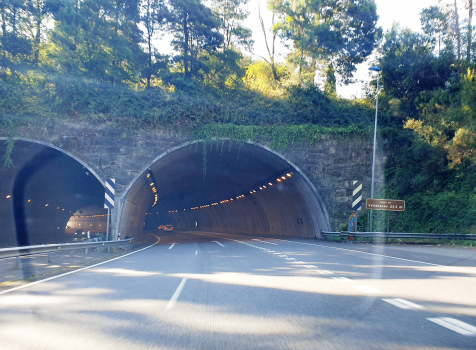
[(185, 46), (36, 58), (457, 31), (470, 30)]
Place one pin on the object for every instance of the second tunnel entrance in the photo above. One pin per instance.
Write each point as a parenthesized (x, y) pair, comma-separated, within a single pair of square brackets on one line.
[(223, 187)]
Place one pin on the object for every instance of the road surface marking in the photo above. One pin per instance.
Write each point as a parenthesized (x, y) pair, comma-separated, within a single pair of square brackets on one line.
[(342, 279), (276, 253), (172, 245), (290, 259), (310, 266), (172, 301), (263, 241), (381, 255), (271, 251), (367, 289), (283, 256), (299, 262), (455, 325), (78, 270), (218, 243), (324, 272), (403, 304), (196, 252)]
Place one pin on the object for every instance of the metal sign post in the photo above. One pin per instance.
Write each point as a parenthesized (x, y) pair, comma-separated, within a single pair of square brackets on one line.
[(110, 190)]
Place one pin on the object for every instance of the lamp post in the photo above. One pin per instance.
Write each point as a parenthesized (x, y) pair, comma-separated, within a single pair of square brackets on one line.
[(375, 69)]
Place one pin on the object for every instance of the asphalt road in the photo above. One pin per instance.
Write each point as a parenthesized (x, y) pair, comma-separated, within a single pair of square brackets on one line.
[(217, 291)]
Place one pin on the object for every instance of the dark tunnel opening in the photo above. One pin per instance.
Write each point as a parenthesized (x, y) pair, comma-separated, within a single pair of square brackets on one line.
[(40, 193), (225, 187)]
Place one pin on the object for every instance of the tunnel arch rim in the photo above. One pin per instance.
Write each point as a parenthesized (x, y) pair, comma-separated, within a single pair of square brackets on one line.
[(250, 142), (71, 155)]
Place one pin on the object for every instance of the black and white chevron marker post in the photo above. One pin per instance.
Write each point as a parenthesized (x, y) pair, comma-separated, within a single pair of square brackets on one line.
[(357, 195), (110, 191), (356, 201)]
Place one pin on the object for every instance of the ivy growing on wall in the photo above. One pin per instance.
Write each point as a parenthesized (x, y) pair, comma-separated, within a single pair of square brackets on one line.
[(11, 128)]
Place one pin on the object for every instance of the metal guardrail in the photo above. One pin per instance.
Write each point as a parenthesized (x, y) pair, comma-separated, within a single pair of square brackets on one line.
[(17, 252), (344, 235)]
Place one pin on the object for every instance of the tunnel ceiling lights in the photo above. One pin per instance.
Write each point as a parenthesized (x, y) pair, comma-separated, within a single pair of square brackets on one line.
[(279, 180), (152, 181)]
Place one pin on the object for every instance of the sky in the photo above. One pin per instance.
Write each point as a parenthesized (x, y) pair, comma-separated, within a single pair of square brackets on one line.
[(406, 12)]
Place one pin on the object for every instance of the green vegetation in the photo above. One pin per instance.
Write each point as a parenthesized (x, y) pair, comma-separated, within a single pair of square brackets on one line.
[(100, 61)]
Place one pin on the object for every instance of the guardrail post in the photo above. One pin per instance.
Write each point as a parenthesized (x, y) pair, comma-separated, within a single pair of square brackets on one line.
[(109, 249), (49, 257), (17, 262), (71, 253), (86, 251)]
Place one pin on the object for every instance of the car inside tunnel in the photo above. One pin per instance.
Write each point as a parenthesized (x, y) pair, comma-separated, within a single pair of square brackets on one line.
[(39, 193), (223, 186)]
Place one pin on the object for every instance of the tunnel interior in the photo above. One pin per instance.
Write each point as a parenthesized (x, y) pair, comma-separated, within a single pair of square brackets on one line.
[(223, 187), (40, 192)]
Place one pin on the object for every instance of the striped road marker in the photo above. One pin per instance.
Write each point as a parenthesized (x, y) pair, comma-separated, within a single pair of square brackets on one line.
[(357, 195), (110, 191), (110, 187)]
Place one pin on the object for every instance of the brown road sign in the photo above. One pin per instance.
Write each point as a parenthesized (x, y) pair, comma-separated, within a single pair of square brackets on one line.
[(385, 204)]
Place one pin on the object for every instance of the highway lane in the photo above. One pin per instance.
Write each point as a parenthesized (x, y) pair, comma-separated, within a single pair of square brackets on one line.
[(217, 291)]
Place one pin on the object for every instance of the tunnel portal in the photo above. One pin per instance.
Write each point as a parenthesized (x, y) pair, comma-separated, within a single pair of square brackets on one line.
[(223, 187), (40, 193)]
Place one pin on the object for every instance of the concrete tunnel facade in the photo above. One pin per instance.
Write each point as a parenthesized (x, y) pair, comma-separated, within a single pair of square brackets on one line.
[(223, 187)]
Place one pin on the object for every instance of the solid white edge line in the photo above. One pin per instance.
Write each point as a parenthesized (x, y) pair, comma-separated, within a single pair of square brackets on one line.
[(218, 243), (172, 245), (78, 270), (443, 321), (172, 301)]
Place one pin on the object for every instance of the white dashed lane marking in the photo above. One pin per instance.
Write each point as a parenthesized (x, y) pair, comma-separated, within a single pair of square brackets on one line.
[(403, 304), (264, 241), (218, 243), (172, 301), (455, 325)]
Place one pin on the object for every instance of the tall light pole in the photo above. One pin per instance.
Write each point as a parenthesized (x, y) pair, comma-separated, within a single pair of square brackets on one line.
[(375, 69)]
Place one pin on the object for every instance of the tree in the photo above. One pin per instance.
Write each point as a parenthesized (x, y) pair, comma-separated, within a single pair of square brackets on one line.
[(15, 46), (330, 84), (434, 24), (231, 14), (97, 38), (36, 14), (154, 19), (342, 32), (457, 30), (469, 6), (195, 30), (409, 66)]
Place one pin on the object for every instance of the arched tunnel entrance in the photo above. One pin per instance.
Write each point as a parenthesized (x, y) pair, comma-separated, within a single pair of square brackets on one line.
[(223, 187), (41, 191)]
